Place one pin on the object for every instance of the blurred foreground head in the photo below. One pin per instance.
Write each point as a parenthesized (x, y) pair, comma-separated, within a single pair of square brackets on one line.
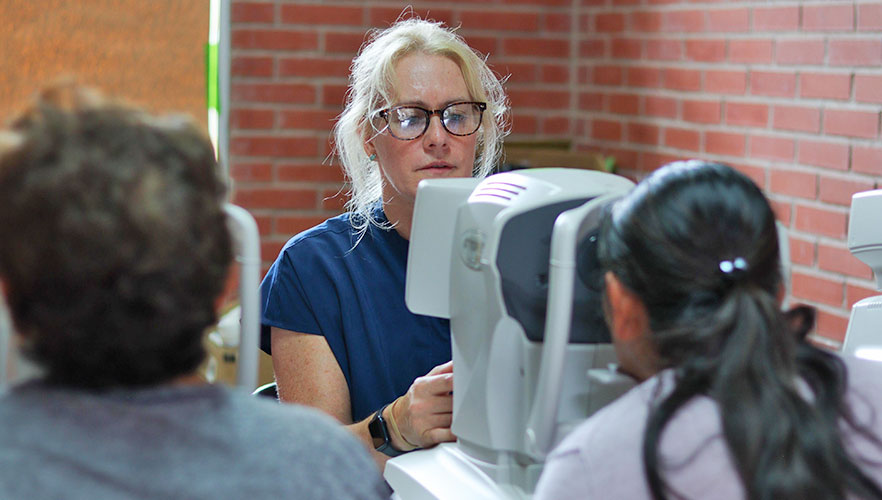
[(114, 243)]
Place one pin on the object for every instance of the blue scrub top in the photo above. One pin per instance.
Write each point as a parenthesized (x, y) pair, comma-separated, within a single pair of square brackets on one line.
[(354, 296)]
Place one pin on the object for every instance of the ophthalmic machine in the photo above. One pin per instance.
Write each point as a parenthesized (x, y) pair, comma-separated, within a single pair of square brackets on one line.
[(511, 261)]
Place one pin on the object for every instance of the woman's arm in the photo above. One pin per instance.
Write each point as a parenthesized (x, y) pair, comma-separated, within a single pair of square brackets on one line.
[(307, 373)]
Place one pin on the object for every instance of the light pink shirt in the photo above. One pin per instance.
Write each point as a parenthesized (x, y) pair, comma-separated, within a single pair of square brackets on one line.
[(602, 458)]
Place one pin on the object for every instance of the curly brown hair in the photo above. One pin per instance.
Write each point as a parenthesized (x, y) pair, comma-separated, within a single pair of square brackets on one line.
[(114, 239)]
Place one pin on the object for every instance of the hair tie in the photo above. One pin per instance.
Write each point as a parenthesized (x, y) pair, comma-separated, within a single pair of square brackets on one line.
[(735, 268)]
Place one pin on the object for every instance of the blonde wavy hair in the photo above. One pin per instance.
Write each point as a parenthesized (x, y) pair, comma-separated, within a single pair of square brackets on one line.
[(370, 89)]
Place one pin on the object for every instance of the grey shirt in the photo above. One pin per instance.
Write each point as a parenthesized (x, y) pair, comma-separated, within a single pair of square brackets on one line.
[(194, 442)]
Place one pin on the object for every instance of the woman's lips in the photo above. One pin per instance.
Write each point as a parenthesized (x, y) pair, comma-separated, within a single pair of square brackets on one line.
[(437, 168)]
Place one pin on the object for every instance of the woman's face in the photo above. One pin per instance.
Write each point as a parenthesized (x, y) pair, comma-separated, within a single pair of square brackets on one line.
[(431, 82)]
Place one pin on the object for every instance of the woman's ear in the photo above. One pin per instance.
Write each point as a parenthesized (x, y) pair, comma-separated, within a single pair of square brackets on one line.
[(629, 325), (627, 314)]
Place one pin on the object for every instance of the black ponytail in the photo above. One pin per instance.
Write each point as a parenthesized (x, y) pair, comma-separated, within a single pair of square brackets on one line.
[(697, 243)]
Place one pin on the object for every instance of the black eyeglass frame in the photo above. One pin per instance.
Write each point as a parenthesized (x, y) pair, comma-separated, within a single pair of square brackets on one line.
[(384, 114)]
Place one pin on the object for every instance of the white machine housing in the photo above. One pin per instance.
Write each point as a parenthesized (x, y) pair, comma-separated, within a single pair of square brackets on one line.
[(864, 335), (498, 258)]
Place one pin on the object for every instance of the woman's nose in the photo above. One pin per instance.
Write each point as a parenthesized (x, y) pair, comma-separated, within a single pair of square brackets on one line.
[(436, 135)]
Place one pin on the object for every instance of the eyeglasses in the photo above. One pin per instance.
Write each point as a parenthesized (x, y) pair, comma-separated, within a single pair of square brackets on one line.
[(410, 122)]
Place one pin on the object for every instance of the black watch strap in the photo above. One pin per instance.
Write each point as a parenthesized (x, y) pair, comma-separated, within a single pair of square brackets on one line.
[(379, 430)]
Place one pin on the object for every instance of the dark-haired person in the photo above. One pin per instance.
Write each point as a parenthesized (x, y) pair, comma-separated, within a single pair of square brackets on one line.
[(421, 105), (734, 403), (113, 250)]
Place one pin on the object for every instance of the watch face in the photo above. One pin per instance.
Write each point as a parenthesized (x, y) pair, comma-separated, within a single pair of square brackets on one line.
[(375, 427)]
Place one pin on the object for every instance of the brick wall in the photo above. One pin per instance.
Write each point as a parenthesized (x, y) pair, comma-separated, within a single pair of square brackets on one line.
[(789, 92)]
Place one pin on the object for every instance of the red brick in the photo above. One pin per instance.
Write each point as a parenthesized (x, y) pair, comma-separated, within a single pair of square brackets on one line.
[(642, 133), (274, 146), (869, 17), (272, 92), (867, 160), (856, 52), (611, 22), (275, 198), (825, 85), (800, 51), (485, 44), (251, 66), (776, 19), (556, 125), (314, 66), (308, 119), (627, 48), (772, 148), (683, 21), (545, 99), (682, 79), (651, 161), (682, 138), (518, 72), (625, 104), (333, 200), (823, 154), (606, 130), (500, 21), (322, 14), (664, 50), (638, 76), (344, 43), (592, 49), (309, 173), (840, 260), (772, 84), (750, 51), (821, 221), (868, 88), (702, 111), (854, 293), (590, 101), (554, 73), (746, 114), (706, 50), (271, 247), (645, 22), (818, 289), (794, 183), (725, 82), (252, 12), (801, 251), (557, 22), (728, 20), (662, 107), (781, 209), (383, 17), (756, 174), (241, 118), (274, 39), (831, 326), (252, 172), (333, 95), (723, 143), (524, 124), (828, 17), (536, 47), (838, 191), (797, 118), (863, 124), (607, 75)]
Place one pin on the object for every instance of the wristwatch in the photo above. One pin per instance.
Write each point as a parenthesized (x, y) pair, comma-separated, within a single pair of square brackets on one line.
[(378, 430)]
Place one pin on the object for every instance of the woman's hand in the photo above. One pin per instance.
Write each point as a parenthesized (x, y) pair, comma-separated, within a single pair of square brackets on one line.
[(423, 415)]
